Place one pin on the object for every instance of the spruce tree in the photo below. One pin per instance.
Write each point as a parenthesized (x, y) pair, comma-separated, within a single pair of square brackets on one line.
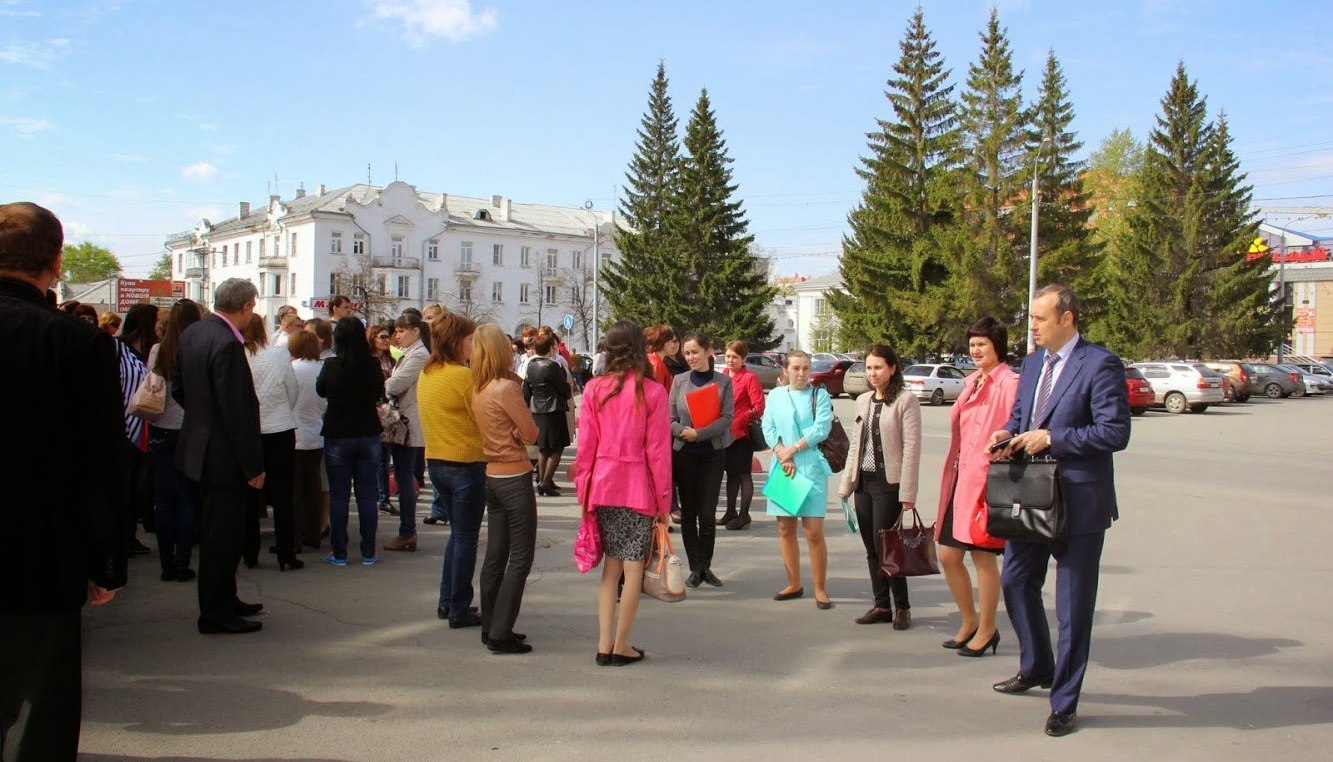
[(895, 276), (989, 265), (640, 284), (1111, 180), (724, 288)]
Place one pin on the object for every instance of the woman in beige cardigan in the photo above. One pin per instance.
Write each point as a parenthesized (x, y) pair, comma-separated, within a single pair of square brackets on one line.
[(881, 474)]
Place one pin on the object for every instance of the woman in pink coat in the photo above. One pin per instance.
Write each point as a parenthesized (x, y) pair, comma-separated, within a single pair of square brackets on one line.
[(623, 472), (983, 407)]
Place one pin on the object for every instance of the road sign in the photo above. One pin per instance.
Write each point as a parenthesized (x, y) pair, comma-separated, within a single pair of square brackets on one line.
[(568, 322)]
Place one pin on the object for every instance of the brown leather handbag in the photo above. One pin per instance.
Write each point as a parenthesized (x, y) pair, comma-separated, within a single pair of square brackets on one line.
[(835, 446), (908, 551)]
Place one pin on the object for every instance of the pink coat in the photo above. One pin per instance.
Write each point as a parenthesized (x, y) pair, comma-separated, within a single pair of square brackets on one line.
[(624, 453), (974, 418)]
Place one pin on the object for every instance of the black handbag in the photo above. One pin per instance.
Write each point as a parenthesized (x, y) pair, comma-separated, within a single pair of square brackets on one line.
[(756, 432), (1024, 501)]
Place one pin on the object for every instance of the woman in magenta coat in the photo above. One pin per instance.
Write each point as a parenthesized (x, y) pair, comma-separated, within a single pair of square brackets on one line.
[(623, 473), (983, 407)]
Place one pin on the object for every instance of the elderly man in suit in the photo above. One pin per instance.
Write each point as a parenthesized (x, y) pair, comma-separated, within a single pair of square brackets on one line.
[(65, 514), (220, 449), (1072, 405)]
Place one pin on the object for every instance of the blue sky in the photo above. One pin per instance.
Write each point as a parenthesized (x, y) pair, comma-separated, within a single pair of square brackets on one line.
[(134, 118)]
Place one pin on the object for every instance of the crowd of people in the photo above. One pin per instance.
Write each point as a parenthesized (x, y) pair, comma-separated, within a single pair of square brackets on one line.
[(327, 412)]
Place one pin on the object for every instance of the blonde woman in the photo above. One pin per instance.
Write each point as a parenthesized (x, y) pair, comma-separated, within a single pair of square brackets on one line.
[(506, 427)]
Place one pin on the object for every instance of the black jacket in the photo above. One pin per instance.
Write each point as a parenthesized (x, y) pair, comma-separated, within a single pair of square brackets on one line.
[(219, 441), (546, 389), (65, 517), (353, 393)]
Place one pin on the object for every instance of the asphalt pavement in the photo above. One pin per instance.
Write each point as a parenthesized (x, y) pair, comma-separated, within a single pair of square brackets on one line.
[(1212, 640)]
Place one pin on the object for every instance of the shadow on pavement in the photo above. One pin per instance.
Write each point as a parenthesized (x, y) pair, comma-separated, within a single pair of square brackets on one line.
[(1157, 649), (1262, 708)]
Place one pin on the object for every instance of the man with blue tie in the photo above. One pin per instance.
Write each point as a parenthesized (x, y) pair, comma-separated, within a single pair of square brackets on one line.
[(1071, 405)]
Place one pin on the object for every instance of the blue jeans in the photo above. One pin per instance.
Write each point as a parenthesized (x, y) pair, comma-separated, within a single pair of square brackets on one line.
[(463, 492), (405, 463), (351, 460), (173, 501)]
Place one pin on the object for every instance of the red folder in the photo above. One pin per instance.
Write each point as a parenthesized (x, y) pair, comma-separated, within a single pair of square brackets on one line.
[(705, 404)]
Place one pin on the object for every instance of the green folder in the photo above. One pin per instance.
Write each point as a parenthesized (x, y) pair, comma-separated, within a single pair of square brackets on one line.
[(788, 493)]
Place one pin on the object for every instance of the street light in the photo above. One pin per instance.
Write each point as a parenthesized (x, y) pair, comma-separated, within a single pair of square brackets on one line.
[(1032, 251), (596, 273)]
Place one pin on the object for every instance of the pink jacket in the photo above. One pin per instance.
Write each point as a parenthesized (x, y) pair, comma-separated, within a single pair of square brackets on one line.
[(624, 453), (974, 418)]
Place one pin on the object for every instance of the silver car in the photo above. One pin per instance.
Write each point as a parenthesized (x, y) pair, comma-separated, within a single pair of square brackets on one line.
[(936, 384), (1314, 383), (854, 380), (1181, 386)]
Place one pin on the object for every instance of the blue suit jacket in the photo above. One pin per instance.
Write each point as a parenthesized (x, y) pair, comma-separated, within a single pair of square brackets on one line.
[(1088, 417)]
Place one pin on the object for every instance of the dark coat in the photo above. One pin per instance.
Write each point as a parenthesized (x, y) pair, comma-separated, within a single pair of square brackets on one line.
[(65, 512), (219, 444), (546, 389)]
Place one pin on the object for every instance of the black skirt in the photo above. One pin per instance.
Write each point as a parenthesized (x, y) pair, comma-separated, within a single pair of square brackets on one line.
[(948, 540), (552, 430)]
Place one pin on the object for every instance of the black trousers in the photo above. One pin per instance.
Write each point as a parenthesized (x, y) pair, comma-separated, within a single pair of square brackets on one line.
[(740, 482), (877, 509), (222, 526), (307, 494), (698, 477), (40, 686), (511, 542), (279, 472)]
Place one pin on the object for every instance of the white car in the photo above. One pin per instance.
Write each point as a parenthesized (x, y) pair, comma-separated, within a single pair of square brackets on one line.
[(935, 384), (1181, 386)]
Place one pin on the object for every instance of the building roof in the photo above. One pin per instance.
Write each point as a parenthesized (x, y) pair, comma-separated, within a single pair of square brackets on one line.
[(821, 283)]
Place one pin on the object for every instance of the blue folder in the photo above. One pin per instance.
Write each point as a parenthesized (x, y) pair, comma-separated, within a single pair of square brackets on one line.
[(788, 493)]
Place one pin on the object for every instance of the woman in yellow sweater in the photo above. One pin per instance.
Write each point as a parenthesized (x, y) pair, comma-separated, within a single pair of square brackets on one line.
[(454, 460)]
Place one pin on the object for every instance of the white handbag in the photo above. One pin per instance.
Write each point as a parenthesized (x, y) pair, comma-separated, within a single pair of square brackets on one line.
[(664, 574), (150, 399)]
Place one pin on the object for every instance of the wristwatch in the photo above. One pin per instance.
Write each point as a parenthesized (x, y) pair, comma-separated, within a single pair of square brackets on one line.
[(1048, 440)]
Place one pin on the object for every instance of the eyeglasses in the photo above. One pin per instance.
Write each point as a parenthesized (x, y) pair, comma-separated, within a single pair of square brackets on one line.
[(383, 337)]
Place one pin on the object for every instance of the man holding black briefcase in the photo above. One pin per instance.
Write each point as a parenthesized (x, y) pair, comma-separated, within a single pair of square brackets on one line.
[(1072, 405)]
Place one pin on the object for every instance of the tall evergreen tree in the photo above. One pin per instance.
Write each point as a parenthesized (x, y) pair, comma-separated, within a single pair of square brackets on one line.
[(640, 284), (724, 288), (989, 266), (895, 276), (1111, 180)]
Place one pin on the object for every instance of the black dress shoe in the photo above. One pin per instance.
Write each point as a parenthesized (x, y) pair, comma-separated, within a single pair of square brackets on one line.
[(695, 579), (248, 609), (956, 644), (185, 575), (790, 596), (233, 626), (170, 575), (618, 660), (1061, 723), (1021, 683), (442, 612), (603, 660), (711, 578), (823, 605), (486, 639), (468, 619), (139, 549), (514, 646)]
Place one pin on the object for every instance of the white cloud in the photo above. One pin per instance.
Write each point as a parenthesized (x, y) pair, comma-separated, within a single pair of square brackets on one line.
[(38, 55), (25, 126), (454, 20), (200, 172)]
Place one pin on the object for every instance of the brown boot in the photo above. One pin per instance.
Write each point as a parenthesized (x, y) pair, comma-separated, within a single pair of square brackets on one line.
[(875, 616), (402, 543), (902, 619)]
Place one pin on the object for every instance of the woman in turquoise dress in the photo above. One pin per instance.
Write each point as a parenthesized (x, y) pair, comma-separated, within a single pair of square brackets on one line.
[(797, 418)]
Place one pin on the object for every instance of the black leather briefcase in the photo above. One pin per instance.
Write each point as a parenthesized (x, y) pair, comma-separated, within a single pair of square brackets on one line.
[(1024, 502)]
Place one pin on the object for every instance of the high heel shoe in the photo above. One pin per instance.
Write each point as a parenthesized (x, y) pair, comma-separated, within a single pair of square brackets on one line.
[(957, 644), (993, 644), (291, 563)]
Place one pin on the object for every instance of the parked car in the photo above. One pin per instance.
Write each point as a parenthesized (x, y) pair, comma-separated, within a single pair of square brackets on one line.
[(1313, 384), (766, 369), (823, 357), (854, 380), (935, 383), (1273, 382), (1181, 386), (829, 375), (1237, 375), (1141, 395), (1316, 369)]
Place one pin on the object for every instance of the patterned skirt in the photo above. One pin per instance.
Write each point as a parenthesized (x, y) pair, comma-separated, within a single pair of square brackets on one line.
[(626, 533)]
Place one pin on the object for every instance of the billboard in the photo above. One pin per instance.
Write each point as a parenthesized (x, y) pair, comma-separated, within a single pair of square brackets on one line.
[(132, 291)]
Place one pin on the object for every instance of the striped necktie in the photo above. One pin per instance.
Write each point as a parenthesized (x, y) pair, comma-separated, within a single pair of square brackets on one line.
[(1044, 391)]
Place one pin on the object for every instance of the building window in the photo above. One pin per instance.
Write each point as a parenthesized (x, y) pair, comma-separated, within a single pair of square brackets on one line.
[(291, 287), (404, 286), (433, 249), (576, 258), (821, 307), (382, 282), (465, 291), (336, 242), (261, 248), (277, 285), (552, 259), (497, 291), (498, 255), (550, 295), (249, 251), (358, 243), (224, 255), (432, 289), (465, 253), (396, 247), (235, 254), (213, 262), (291, 246), (180, 262), (262, 282), (523, 290), (525, 256), (335, 284)]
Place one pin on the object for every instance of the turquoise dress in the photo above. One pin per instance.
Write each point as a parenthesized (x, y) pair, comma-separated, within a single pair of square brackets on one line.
[(787, 419)]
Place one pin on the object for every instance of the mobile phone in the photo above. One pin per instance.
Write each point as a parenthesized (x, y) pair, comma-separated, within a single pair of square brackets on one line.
[(1000, 445)]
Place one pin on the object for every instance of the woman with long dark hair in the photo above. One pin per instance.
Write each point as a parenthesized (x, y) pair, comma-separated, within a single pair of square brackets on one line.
[(174, 499), (352, 382), (410, 331), (137, 336), (882, 467), (623, 473)]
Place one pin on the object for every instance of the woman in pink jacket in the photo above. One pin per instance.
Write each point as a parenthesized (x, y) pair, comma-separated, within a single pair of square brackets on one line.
[(983, 407), (623, 472)]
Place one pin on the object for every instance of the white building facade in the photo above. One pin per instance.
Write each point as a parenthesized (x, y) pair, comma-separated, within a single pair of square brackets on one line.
[(395, 247)]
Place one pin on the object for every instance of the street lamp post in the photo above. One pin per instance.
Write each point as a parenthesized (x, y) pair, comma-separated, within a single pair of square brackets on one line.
[(1282, 294), (1032, 246), (596, 273)]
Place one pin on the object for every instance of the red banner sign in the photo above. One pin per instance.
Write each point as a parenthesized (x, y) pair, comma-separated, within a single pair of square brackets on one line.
[(132, 291)]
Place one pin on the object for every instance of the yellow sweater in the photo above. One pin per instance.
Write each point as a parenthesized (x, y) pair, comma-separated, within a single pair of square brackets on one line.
[(444, 402)]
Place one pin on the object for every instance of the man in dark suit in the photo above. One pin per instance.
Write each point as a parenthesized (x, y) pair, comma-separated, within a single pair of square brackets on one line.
[(1072, 404), (220, 449), (64, 513)]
